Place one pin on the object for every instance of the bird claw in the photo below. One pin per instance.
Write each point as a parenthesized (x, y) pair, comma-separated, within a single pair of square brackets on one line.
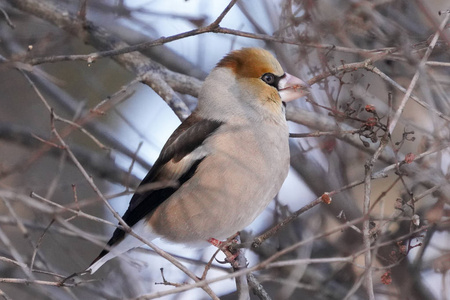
[(221, 261), (230, 254), (230, 257)]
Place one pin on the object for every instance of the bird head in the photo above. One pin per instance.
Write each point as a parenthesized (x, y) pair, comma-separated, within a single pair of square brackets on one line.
[(250, 78)]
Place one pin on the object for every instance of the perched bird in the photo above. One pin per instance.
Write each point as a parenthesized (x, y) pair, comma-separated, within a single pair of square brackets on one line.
[(228, 159)]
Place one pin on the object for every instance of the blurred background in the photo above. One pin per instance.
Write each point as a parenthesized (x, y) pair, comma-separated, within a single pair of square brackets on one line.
[(385, 234)]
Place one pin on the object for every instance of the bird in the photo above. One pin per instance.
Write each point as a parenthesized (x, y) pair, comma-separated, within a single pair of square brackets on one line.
[(223, 165)]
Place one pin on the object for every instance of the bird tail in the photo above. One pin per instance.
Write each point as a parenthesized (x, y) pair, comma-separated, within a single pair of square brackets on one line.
[(127, 243)]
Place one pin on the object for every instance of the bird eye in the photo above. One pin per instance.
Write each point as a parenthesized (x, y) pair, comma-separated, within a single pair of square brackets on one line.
[(268, 78)]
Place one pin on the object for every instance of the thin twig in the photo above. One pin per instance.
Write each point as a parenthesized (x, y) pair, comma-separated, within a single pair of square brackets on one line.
[(257, 287), (415, 78), (30, 281), (366, 211), (58, 118), (7, 19), (36, 248)]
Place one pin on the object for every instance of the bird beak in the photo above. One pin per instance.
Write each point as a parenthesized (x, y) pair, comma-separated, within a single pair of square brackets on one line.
[(290, 88)]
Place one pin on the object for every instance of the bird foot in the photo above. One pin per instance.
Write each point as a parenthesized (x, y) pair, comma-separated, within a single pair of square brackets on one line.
[(230, 253), (216, 243)]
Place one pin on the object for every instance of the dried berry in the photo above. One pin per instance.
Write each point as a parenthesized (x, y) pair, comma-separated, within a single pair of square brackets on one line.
[(370, 108)]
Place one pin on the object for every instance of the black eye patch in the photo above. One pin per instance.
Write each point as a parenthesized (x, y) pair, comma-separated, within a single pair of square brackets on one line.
[(272, 79)]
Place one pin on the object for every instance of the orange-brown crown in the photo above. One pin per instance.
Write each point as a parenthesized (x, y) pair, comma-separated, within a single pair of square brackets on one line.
[(251, 63)]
